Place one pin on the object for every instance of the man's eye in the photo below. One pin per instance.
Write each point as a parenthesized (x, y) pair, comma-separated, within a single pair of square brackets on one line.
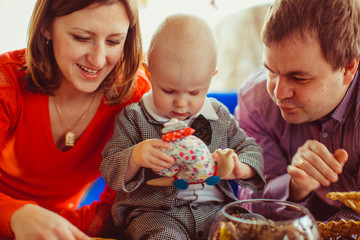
[(299, 79)]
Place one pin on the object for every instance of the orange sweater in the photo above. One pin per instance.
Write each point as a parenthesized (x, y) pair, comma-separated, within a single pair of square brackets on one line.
[(32, 169)]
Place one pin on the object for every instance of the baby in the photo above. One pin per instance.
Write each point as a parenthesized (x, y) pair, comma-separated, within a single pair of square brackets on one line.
[(182, 60)]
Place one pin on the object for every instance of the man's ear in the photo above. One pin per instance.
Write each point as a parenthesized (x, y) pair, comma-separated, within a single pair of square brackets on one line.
[(146, 69), (350, 71)]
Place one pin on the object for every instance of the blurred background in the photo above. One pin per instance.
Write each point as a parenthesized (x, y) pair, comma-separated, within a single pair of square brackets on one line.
[(237, 24)]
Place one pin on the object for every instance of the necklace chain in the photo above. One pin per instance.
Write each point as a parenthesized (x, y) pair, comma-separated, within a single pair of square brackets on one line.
[(70, 135)]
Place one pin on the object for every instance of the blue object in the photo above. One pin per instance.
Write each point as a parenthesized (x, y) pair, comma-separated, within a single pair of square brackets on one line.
[(213, 180), (227, 98), (181, 184), (94, 192)]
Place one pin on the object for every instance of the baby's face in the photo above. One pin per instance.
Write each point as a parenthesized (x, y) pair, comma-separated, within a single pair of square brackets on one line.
[(179, 88)]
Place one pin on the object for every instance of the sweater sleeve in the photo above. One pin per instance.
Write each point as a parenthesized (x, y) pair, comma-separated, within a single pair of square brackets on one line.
[(94, 219), (249, 152), (8, 206), (10, 104)]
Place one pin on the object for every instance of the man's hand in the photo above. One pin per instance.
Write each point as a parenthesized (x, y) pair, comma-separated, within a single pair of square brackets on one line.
[(32, 222), (313, 165)]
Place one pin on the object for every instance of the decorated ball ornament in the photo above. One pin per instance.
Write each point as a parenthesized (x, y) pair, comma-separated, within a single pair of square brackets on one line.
[(193, 162)]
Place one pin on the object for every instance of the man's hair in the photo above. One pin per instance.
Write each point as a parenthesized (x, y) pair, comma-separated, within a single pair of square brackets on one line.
[(336, 24), (41, 64)]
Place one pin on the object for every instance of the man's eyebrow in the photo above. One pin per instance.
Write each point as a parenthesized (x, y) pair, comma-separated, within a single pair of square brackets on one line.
[(296, 72)]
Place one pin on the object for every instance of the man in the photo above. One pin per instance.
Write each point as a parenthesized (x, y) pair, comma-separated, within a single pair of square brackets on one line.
[(303, 106)]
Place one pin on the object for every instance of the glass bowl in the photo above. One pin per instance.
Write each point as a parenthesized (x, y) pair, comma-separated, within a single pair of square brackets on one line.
[(264, 219)]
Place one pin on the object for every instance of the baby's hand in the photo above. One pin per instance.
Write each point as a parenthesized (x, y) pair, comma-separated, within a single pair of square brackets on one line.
[(148, 154), (240, 170)]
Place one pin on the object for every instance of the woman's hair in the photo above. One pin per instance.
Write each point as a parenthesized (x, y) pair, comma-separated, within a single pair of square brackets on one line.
[(336, 24), (41, 64)]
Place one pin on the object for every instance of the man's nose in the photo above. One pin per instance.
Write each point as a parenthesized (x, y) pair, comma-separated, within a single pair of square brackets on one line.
[(283, 88)]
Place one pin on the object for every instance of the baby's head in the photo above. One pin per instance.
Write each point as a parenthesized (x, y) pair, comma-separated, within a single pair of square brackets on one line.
[(182, 60)]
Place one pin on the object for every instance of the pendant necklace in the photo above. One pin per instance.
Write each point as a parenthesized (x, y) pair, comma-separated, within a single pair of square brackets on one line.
[(70, 135)]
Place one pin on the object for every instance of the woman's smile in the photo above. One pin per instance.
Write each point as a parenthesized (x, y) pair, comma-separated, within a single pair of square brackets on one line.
[(89, 73)]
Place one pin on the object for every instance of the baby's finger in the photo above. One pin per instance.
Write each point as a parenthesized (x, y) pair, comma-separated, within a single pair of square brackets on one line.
[(157, 153), (157, 164), (157, 143)]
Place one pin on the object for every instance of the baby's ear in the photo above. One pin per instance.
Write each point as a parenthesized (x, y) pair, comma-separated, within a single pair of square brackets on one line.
[(215, 72), (146, 70)]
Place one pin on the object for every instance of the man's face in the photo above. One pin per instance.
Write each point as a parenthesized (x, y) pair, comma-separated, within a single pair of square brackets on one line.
[(300, 81)]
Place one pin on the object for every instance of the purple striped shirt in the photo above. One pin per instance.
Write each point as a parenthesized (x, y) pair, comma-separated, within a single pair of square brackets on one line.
[(261, 118)]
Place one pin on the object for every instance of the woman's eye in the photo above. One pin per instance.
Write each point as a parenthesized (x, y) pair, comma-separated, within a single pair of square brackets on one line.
[(113, 42), (80, 39)]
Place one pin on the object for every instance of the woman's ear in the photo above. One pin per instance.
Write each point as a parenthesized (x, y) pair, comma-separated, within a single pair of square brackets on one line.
[(350, 71), (45, 32)]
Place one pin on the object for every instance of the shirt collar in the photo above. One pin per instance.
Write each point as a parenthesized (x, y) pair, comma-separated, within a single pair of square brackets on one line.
[(207, 110), (341, 110)]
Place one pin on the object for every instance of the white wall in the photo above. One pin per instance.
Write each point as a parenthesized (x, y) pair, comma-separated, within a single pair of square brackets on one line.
[(156, 10), (14, 18), (15, 15)]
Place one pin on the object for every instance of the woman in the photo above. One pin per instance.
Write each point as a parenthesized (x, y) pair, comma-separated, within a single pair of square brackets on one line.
[(58, 100)]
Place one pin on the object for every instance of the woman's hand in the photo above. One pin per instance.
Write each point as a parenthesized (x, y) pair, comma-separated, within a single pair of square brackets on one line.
[(32, 222)]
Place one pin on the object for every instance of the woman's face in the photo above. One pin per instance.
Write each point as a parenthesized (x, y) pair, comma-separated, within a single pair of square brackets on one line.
[(88, 44)]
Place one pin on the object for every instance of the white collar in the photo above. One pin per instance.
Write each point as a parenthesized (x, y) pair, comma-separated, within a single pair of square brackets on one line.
[(207, 110)]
